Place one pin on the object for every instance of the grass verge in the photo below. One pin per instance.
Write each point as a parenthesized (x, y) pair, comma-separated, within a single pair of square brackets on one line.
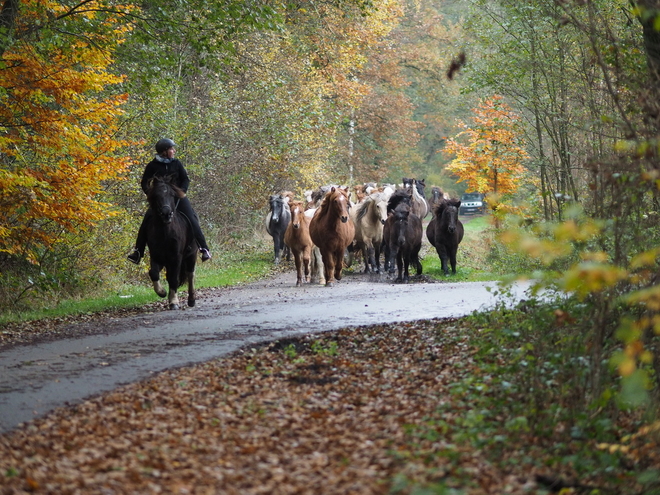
[(225, 269)]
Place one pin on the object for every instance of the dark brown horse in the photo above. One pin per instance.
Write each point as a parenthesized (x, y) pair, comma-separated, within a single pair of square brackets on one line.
[(332, 231), (171, 242), (445, 232), (403, 235), (299, 241)]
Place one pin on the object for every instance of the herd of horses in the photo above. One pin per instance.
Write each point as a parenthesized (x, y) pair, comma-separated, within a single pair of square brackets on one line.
[(320, 231)]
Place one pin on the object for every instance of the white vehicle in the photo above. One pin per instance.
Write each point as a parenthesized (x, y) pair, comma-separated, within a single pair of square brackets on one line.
[(472, 203)]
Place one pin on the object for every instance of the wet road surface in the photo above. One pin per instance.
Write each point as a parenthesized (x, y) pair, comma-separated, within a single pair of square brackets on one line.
[(36, 378)]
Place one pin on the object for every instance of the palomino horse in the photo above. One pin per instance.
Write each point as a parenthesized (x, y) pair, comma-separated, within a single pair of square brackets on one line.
[(298, 239), (332, 230), (445, 232), (171, 242), (403, 235), (369, 219), (277, 220)]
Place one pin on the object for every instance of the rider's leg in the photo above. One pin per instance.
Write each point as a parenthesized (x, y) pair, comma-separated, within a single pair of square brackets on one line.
[(186, 208), (141, 241)]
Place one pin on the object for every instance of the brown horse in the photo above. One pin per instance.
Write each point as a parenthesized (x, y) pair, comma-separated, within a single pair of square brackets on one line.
[(445, 232), (437, 196), (332, 230), (298, 239)]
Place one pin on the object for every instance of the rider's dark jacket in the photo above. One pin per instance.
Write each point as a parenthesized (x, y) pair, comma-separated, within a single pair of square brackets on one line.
[(160, 167)]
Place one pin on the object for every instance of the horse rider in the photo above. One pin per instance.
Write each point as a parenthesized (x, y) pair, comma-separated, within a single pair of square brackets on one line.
[(165, 164)]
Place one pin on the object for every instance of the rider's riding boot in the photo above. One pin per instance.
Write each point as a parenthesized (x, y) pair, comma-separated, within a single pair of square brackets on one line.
[(135, 256), (206, 255)]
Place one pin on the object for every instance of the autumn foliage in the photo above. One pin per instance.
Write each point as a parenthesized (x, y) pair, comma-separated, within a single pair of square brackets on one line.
[(491, 161), (58, 126)]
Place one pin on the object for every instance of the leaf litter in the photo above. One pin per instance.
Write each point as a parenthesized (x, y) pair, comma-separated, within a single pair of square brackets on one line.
[(366, 410)]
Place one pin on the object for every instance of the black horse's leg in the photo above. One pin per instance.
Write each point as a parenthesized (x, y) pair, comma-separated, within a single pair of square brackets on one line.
[(191, 289), (173, 282), (442, 254), (377, 256), (154, 275), (276, 248), (452, 259), (406, 267), (190, 271), (399, 265)]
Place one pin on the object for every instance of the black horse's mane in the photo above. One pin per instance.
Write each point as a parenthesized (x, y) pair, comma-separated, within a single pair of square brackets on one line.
[(399, 196), (443, 203), (165, 179)]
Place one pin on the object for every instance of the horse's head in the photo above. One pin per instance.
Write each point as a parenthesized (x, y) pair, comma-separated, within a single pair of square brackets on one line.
[(162, 196), (400, 216), (381, 207), (338, 198), (278, 203), (449, 214), (297, 214)]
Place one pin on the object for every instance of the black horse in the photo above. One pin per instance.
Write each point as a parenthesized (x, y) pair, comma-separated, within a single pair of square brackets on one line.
[(445, 232), (171, 242), (277, 220), (403, 236)]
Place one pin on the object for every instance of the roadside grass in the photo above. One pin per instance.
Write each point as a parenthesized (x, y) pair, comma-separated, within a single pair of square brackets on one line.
[(227, 268), (472, 264)]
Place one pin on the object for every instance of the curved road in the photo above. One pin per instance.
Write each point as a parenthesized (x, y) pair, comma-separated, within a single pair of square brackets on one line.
[(34, 379)]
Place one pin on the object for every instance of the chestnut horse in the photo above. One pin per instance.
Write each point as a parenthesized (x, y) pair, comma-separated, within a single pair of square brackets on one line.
[(299, 242), (171, 242), (332, 230), (445, 232)]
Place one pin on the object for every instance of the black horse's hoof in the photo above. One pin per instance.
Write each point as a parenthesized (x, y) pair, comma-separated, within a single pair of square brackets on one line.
[(174, 306), (191, 303)]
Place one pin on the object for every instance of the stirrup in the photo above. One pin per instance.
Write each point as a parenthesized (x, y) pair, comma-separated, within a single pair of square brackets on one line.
[(206, 255), (134, 257)]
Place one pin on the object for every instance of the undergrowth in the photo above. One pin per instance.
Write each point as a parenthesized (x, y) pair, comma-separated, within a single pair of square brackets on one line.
[(530, 398)]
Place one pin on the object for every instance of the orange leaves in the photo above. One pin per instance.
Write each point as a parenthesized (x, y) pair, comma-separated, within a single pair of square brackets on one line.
[(58, 125), (492, 159)]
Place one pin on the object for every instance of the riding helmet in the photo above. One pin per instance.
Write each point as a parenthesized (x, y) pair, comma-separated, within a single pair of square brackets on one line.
[(164, 145)]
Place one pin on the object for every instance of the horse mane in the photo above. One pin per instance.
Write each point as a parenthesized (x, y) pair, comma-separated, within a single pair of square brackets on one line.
[(399, 196), (363, 208), (165, 179), (325, 205), (443, 203)]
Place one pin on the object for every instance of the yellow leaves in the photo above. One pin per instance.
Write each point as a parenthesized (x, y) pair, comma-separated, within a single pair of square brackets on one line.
[(60, 126), (590, 277), (492, 159)]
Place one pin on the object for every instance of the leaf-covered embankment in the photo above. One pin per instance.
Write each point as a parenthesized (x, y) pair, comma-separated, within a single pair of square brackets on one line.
[(366, 410)]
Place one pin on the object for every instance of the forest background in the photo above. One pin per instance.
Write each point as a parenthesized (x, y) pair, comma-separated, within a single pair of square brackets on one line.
[(264, 96)]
